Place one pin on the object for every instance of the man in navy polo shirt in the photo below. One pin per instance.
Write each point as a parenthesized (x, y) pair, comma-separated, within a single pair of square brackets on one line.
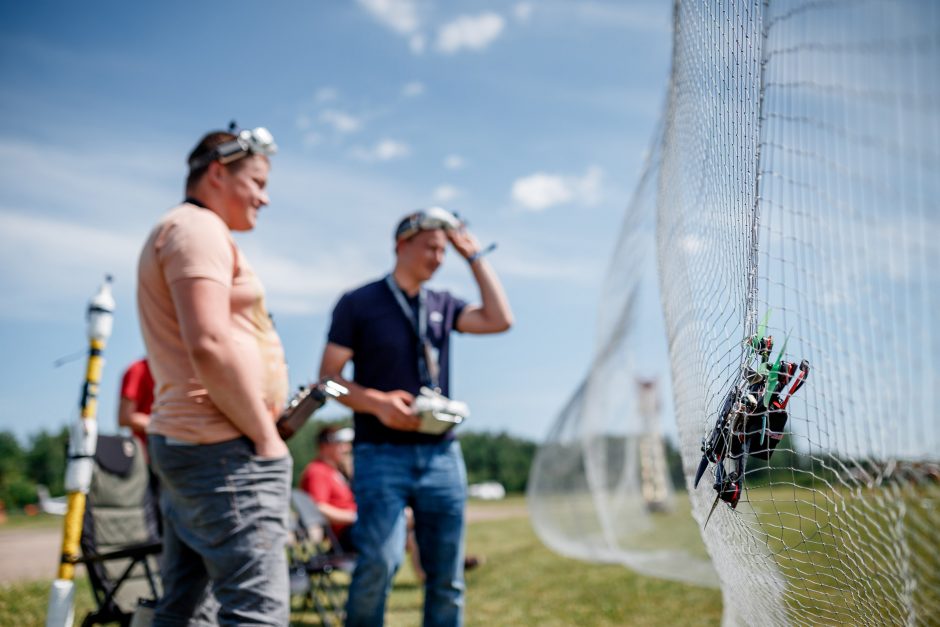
[(397, 335)]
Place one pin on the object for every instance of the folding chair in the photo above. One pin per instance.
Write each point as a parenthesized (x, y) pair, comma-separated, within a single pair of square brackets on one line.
[(120, 537), (315, 557)]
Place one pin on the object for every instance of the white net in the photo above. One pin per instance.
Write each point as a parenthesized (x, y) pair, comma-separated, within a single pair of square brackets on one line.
[(599, 488), (796, 199)]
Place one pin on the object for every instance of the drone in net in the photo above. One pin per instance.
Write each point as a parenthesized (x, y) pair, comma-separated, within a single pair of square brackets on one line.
[(752, 418)]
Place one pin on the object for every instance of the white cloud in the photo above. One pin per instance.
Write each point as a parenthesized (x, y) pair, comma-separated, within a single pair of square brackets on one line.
[(469, 32), (303, 122), (312, 139), (401, 16), (309, 285), (588, 187), (389, 149), (540, 191), (326, 94), (412, 89), (445, 193), (523, 11), (454, 162), (341, 121), (384, 150), (54, 261), (91, 180), (466, 32)]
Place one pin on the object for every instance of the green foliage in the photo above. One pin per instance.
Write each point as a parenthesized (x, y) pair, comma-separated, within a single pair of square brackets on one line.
[(46, 459), (11, 455), (20, 491), (43, 462), (489, 456), (11, 468), (18, 478), (497, 457)]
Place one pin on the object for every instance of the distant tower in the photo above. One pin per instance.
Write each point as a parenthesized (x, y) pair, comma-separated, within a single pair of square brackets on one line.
[(654, 472)]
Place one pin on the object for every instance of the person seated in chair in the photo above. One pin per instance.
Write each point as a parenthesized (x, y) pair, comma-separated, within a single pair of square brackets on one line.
[(326, 480)]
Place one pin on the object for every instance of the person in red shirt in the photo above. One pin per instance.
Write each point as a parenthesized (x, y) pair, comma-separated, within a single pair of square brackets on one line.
[(326, 480), (136, 400)]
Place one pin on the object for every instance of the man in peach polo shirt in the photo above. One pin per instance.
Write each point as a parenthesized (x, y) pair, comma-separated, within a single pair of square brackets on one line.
[(221, 380)]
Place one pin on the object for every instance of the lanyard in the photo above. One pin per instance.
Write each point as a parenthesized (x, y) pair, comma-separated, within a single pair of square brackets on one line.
[(428, 368)]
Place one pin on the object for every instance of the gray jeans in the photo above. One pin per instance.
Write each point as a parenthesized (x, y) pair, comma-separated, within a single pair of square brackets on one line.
[(225, 513)]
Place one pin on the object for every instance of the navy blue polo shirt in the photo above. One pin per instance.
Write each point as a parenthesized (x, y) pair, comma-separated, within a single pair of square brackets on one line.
[(371, 323)]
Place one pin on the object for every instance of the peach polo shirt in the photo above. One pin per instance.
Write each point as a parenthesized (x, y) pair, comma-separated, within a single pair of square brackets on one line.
[(192, 242)]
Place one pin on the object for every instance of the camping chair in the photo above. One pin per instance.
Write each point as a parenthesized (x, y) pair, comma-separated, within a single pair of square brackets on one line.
[(315, 557), (120, 537)]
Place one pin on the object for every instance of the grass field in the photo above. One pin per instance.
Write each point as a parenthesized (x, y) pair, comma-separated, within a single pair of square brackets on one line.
[(848, 554), (521, 583), (819, 549), (18, 520)]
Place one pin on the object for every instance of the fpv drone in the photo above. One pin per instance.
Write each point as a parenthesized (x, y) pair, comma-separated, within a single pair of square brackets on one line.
[(752, 418)]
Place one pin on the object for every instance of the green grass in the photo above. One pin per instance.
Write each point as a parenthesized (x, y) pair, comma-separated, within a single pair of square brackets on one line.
[(521, 583), (674, 530), (25, 604), (19, 520), (835, 548)]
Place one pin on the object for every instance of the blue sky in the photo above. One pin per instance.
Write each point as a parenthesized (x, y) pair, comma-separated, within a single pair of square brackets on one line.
[(529, 119)]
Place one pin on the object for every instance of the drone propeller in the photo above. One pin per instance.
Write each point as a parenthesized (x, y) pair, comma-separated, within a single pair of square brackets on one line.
[(702, 466), (712, 510)]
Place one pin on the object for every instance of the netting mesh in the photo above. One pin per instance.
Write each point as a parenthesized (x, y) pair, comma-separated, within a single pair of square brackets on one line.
[(796, 193), (599, 488)]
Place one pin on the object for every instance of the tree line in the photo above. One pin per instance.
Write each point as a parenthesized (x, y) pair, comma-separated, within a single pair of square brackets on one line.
[(41, 461), (489, 457)]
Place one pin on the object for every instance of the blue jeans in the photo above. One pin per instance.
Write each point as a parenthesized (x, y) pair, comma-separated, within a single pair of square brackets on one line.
[(225, 514), (432, 479)]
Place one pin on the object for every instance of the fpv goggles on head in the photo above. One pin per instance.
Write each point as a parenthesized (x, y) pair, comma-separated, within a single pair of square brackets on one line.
[(428, 219), (336, 436), (258, 141)]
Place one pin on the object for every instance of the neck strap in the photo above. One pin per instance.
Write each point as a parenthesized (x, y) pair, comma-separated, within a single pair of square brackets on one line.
[(428, 367)]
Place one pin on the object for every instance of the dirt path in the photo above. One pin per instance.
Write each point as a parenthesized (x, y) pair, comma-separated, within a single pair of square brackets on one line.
[(33, 554), (29, 554), (477, 512)]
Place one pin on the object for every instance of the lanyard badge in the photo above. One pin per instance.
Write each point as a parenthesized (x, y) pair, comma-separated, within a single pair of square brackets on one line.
[(428, 355)]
